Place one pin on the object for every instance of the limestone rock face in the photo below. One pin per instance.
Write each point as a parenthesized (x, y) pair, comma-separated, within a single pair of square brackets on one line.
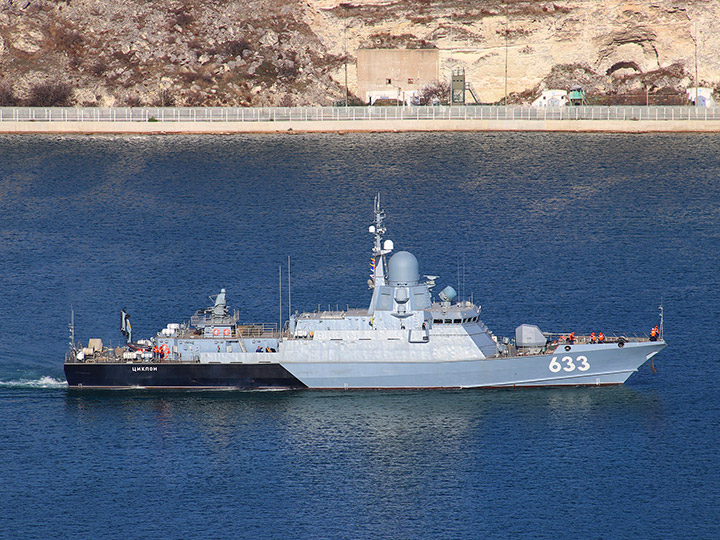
[(614, 46), (292, 52)]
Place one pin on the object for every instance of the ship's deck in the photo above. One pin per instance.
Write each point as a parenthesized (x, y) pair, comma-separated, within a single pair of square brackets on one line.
[(333, 314), (245, 330), (115, 355)]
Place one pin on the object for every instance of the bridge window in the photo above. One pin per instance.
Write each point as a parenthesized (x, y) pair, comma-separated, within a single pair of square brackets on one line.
[(437, 321)]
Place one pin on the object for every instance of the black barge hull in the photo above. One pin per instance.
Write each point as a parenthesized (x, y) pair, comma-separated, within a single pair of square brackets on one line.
[(179, 375)]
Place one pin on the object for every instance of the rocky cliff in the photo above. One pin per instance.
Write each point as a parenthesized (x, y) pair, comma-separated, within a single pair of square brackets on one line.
[(293, 52)]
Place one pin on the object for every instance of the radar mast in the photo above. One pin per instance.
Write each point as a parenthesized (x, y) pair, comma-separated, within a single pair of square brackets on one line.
[(380, 249)]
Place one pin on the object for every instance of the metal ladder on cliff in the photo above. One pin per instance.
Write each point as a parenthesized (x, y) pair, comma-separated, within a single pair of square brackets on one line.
[(469, 88)]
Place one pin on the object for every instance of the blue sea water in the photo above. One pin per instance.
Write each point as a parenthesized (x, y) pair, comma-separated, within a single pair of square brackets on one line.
[(568, 231)]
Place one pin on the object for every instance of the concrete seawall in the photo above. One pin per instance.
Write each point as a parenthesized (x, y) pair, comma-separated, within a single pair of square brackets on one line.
[(329, 126)]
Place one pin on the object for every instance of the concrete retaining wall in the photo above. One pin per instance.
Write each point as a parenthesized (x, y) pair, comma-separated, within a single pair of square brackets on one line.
[(618, 126)]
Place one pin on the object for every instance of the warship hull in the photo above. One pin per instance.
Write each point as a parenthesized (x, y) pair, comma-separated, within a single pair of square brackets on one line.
[(180, 375), (583, 365), (403, 339)]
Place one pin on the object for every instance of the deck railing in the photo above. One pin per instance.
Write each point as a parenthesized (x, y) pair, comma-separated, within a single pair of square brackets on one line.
[(208, 319), (256, 329), (562, 339)]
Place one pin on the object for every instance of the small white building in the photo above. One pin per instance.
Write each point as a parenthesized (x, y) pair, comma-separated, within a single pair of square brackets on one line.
[(702, 97), (552, 98)]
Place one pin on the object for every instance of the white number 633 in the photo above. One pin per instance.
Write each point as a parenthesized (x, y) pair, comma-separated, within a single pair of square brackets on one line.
[(569, 364)]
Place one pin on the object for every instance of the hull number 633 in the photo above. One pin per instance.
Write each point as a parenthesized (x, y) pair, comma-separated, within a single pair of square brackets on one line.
[(568, 363)]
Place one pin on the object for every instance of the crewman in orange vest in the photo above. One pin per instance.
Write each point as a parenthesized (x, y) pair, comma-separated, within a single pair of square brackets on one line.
[(653, 334), (601, 338), (156, 351), (571, 337), (592, 337)]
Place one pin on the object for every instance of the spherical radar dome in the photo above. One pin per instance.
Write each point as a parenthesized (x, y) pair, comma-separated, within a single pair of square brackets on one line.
[(403, 269)]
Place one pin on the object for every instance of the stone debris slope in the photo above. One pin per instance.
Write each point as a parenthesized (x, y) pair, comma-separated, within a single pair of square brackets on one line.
[(292, 52)]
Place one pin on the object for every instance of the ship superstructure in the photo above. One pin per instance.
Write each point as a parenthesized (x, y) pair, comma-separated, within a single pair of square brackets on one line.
[(403, 339)]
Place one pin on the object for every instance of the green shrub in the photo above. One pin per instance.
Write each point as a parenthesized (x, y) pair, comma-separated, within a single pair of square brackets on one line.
[(50, 94), (7, 96)]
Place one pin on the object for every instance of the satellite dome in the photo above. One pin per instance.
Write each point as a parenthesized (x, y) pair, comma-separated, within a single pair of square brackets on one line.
[(403, 269)]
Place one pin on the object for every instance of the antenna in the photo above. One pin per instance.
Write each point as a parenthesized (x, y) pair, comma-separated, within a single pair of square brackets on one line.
[(289, 297), (71, 327), (463, 274), (662, 319), (280, 297), (458, 275)]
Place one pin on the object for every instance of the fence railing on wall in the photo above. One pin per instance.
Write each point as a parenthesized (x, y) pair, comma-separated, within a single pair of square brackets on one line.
[(283, 114)]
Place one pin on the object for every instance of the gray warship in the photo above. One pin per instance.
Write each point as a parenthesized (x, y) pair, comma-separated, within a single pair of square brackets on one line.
[(405, 338)]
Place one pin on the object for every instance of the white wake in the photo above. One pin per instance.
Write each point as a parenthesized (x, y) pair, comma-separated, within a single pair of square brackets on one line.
[(42, 382)]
